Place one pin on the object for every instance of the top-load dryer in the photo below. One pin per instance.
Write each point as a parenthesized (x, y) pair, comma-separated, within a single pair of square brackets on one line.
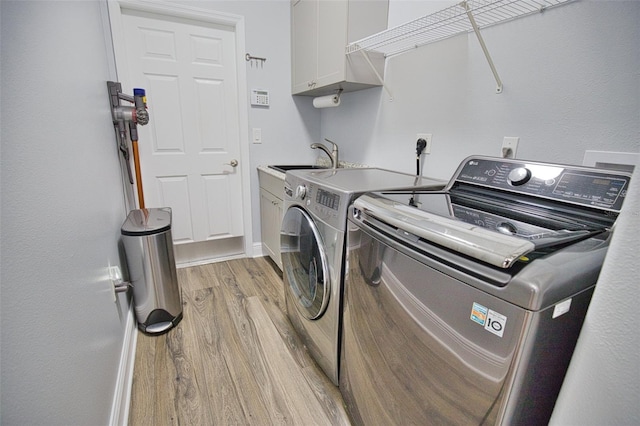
[(313, 246), (464, 306)]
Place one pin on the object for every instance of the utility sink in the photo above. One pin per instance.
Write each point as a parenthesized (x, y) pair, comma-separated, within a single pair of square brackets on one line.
[(286, 168)]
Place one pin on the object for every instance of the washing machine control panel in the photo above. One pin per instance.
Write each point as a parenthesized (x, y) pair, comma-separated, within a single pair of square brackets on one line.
[(327, 199), (570, 184), (324, 203)]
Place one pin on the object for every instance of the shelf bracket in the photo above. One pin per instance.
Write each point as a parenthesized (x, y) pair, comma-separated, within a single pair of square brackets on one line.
[(380, 79), (484, 47)]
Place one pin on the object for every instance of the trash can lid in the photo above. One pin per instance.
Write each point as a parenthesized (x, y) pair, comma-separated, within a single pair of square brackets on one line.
[(147, 222)]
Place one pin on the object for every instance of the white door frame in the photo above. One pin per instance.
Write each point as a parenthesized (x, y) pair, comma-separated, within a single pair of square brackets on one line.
[(208, 16)]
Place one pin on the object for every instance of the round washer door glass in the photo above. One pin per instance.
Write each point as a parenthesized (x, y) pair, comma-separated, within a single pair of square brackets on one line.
[(304, 263)]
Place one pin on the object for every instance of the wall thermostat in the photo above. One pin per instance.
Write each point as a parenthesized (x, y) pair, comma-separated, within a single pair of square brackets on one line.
[(259, 97)]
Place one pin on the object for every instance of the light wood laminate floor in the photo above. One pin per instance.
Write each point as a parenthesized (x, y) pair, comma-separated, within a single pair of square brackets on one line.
[(234, 359)]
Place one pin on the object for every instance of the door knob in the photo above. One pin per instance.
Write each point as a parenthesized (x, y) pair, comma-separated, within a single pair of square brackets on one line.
[(232, 163)]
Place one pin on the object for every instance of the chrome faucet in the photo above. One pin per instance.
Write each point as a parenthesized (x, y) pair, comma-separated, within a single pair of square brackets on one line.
[(333, 154)]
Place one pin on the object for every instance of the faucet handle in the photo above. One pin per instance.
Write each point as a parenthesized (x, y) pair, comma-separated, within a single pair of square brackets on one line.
[(335, 145)]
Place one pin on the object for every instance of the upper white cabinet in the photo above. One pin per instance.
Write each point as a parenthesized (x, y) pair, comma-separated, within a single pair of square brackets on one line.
[(320, 32)]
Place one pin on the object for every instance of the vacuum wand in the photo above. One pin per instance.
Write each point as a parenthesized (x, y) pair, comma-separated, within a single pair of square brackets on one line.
[(133, 131), (142, 118)]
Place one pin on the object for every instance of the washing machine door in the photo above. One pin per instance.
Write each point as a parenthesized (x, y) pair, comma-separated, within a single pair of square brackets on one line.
[(304, 263)]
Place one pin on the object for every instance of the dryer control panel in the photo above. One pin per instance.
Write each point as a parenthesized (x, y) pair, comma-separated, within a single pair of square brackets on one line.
[(604, 189)]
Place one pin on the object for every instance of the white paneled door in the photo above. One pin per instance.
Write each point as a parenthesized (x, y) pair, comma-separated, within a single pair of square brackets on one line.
[(190, 150)]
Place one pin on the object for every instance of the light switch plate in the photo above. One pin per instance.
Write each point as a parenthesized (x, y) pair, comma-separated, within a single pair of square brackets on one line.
[(257, 135)]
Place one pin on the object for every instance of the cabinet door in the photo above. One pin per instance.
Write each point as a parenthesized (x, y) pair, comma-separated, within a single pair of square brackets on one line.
[(278, 214), (304, 44), (270, 222), (332, 41)]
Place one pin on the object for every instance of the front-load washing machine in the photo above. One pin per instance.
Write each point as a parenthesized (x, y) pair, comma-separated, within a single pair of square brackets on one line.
[(313, 246)]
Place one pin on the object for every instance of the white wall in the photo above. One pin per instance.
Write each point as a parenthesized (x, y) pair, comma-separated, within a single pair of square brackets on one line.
[(571, 83), (602, 386), (62, 208)]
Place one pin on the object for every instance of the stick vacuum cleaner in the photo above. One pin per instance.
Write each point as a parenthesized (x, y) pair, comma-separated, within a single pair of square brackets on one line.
[(131, 115)]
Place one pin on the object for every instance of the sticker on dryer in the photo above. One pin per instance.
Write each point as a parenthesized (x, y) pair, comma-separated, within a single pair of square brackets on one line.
[(492, 321), (561, 308), (495, 323), (479, 313)]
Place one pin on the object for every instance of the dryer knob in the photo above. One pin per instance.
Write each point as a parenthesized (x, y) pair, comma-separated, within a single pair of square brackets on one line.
[(519, 176), (301, 192)]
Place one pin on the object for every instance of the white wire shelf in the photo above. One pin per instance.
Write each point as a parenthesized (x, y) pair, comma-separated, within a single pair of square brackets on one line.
[(447, 23)]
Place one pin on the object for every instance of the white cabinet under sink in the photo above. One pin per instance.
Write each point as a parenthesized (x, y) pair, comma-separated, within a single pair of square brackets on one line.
[(320, 32), (271, 205)]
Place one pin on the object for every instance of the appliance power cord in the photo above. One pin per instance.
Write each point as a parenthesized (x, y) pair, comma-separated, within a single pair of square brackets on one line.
[(421, 144)]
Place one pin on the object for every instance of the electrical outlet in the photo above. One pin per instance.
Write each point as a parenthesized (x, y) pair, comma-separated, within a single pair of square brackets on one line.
[(426, 137), (509, 146)]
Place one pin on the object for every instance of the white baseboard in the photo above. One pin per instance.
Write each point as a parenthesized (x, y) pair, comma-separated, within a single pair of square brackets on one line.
[(124, 382), (203, 252), (182, 261), (188, 264), (258, 250)]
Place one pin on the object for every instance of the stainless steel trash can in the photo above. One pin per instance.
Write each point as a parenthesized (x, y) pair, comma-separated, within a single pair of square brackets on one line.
[(146, 234)]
